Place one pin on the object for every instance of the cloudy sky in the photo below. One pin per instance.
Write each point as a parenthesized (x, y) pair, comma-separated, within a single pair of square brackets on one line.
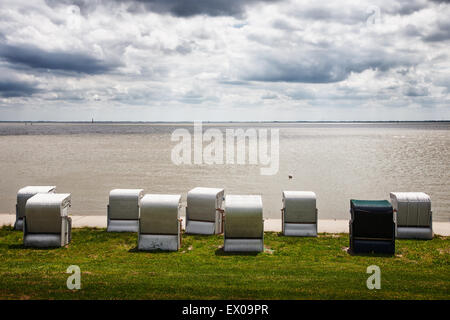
[(224, 60)]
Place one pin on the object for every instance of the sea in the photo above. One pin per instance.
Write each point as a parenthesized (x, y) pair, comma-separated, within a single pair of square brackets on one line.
[(338, 161)]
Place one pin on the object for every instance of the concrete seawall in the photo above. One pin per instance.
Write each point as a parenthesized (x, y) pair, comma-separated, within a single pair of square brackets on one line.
[(325, 226)]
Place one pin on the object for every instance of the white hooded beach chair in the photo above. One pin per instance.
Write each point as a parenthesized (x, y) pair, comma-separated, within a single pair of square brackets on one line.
[(413, 215), (244, 225), (299, 214), (203, 211), (22, 196), (160, 223), (123, 210), (46, 222)]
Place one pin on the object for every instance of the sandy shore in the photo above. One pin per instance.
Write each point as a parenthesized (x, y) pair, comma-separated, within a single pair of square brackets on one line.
[(328, 226)]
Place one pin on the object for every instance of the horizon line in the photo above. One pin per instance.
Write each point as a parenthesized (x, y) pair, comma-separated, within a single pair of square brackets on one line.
[(231, 121)]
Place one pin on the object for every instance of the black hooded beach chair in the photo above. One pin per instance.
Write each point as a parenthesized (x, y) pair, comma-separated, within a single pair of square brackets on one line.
[(372, 227)]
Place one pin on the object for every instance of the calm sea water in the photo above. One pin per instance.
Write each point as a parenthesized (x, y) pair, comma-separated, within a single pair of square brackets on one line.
[(337, 161)]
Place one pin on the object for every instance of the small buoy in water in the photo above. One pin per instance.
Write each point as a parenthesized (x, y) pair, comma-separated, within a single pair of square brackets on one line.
[(290, 177)]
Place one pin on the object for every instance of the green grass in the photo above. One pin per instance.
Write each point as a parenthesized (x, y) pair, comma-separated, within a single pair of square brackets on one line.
[(290, 268)]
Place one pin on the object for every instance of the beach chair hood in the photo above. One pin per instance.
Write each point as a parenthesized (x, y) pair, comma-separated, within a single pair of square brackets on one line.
[(23, 195), (124, 204)]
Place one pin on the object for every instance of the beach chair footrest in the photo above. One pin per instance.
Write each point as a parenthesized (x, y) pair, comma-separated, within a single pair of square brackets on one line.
[(373, 246), (200, 227), (150, 242), (45, 240), (243, 245), (414, 233), (123, 226), (300, 229)]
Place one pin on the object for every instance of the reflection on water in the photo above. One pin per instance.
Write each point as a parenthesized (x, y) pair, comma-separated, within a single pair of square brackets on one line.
[(337, 161)]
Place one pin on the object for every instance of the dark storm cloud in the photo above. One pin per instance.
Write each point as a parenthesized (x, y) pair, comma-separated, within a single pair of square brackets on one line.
[(34, 57), (411, 31), (300, 94), (273, 70), (11, 88), (404, 7), (188, 8), (178, 8), (441, 33), (416, 92), (322, 66)]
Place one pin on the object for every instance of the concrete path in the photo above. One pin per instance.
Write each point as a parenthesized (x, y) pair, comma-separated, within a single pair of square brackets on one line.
[(328, 226)]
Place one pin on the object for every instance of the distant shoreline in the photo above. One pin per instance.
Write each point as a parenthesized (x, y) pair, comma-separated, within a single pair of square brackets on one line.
[(222, 122)]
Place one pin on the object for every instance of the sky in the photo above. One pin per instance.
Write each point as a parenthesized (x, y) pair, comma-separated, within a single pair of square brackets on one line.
[(239, 60)]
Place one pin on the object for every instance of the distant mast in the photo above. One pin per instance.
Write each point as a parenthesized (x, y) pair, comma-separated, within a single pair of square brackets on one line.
[(92, 120)]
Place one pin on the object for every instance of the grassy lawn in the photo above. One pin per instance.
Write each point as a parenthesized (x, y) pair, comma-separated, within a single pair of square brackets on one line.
[(290, 268)]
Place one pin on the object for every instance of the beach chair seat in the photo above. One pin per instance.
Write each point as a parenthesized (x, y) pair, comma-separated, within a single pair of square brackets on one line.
[(244, 224), (372, 227), (413, 215), (160, 223), (123, 210), (23, 195), (46, 222), (299, 214), (203, 211)]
